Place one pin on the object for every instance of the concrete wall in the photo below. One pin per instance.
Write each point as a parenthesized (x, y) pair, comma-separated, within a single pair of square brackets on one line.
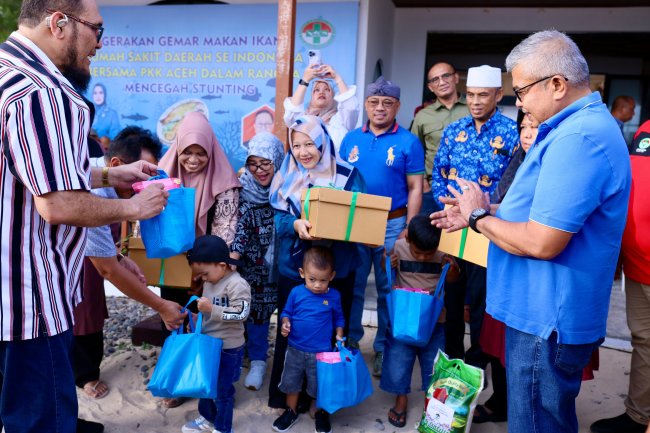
[(411, 26)]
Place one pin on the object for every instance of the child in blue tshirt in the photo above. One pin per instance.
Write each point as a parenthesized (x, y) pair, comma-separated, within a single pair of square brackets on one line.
[(417, 264), (312, 312)]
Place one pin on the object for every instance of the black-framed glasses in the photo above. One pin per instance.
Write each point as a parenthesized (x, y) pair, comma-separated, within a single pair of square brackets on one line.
[(99, 30), (519, 93), (444, 77), (264, 166), (386, 103)]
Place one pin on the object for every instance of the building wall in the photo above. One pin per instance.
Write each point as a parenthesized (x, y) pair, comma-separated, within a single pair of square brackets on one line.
[(411, 26)]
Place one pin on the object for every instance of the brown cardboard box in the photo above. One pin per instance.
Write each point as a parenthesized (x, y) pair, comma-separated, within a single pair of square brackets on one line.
[(329, 212), (177, 271), (476, 245)]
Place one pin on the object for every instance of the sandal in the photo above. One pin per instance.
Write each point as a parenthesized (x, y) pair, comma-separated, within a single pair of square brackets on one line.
[(398, 419), (96, 389), (482, 415), (171, 403)]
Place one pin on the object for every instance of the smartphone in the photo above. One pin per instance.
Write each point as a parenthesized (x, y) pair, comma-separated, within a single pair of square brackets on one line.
[(314, 58)]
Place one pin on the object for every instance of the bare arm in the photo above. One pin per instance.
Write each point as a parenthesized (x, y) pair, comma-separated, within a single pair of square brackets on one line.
[(298, 96), (81, 208), (129, 284), (414, 203)]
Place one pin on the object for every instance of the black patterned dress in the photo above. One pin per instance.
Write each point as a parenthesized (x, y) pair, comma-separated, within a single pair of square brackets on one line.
[(252, 239)]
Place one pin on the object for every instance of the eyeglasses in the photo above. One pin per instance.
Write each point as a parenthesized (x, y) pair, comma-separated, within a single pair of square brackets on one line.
[(521, 92), (444, 77), (264, 166), (386, 103), (96, 27)]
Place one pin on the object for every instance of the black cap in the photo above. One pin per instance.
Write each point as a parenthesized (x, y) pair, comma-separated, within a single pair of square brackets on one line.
[(211, 249)]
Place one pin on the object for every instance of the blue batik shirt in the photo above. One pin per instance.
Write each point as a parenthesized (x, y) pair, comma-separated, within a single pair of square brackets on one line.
[(480, 158)]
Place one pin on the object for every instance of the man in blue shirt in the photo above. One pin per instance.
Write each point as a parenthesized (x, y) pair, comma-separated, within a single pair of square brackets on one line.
[(477, 147), (556, 236), (391, 161)]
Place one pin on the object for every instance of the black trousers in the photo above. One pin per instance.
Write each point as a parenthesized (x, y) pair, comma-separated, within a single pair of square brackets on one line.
[(470, 289), (345, 286), (86, 356)]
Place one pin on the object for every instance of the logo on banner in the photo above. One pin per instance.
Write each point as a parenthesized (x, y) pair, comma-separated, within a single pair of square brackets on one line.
[(317, 33)]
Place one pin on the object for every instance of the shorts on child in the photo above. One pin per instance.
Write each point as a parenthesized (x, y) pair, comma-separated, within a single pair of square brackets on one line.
[(399, 359), (298, 364)]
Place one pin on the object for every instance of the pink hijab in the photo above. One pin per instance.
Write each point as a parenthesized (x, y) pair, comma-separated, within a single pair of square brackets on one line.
[(217, 177)]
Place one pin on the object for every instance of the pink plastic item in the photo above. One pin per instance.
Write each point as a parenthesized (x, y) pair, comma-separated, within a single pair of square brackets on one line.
[(329, 357), (168, 183), (414, 290)]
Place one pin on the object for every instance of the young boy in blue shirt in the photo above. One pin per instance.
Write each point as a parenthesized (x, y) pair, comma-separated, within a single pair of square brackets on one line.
[(312, 312), (417, 263)]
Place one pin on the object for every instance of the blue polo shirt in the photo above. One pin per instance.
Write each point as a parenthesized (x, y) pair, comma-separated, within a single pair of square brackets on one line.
[(313, 318), (385, 160), (575, 178), (477, 157)]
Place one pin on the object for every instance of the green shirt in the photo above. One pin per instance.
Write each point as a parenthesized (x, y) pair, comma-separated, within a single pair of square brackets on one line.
[(429, 124)]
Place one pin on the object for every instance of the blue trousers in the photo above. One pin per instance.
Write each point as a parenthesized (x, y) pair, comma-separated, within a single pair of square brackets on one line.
[(543, 382), (38, 391), (373, 257), (220, 410), (258, 340)]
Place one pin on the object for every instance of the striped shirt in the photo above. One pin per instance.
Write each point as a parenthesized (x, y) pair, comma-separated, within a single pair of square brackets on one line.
[(44, 125)]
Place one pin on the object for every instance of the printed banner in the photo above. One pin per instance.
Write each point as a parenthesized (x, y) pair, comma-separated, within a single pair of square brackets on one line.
[(160, 62)]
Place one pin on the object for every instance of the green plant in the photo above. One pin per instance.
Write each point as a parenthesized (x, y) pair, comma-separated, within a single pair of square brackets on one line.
[(9, 11)]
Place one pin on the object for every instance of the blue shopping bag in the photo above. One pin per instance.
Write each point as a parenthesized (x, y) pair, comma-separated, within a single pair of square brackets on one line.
[(172, 231), (188, 365), (414, 313), (343, 379)]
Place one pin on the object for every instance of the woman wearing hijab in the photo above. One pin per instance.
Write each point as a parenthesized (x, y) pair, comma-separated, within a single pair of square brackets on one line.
[(254, 241), (106, 122), (311, 162), (339, 113), (197, 159)]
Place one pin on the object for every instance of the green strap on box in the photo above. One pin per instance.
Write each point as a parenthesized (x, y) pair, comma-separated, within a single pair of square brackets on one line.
[(463, 239), (161, 280), (353, 208)]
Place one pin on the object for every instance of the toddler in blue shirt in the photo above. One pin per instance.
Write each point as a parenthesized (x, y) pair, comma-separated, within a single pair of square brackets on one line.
[(312, 312)]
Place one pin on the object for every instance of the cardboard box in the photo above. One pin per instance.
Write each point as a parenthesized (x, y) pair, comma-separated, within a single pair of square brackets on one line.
[(177, 271), (465, 244), (330, 213)]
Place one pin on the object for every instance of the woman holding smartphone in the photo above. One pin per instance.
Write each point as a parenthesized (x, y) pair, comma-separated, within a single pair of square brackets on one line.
[(339, 112)]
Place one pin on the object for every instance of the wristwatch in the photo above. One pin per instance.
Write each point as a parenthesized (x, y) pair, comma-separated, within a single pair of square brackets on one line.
[(303, 83), (476, 215)]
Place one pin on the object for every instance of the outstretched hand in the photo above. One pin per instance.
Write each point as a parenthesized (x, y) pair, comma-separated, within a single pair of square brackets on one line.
[(122, 177)]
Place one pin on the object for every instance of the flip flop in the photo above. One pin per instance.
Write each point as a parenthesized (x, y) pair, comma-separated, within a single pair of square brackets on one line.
[(171, 403), (400, 418), (96, 389)]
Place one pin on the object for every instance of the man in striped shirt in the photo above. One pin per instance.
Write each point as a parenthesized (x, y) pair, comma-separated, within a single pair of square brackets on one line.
[(45, 179)]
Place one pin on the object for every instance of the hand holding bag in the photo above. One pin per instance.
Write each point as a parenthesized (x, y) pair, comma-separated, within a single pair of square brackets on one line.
[(172, 231), (414, 313), (343, 379), (188, 365)]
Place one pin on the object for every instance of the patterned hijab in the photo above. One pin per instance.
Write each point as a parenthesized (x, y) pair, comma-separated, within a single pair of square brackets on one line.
[(292, 178), (324, 113), (217, 177), (264, 145)]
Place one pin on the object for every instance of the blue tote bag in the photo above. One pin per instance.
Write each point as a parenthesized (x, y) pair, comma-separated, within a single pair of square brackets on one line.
[(172, 231), (188, 365), (343, 379), (414, 313)]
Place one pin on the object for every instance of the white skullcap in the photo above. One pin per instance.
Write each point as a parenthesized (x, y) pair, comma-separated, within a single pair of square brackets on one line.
[(483, 76)]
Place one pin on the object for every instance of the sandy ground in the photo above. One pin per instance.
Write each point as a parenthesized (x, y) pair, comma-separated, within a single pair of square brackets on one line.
[(129, 407)]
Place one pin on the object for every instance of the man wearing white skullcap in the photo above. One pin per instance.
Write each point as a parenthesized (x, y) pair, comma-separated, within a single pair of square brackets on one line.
[(477, 147)]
